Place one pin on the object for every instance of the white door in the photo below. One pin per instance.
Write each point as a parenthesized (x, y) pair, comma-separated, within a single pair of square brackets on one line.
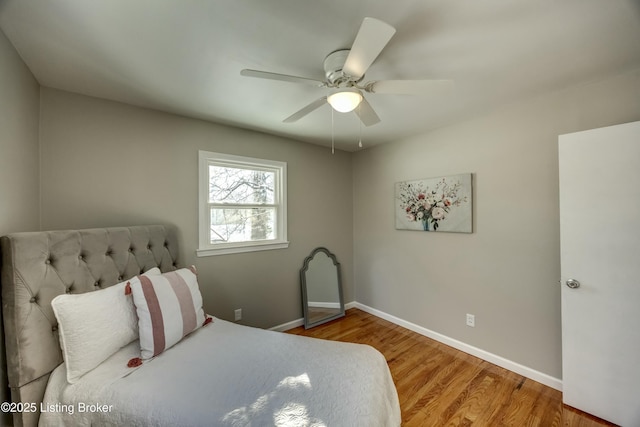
[(600, 249)]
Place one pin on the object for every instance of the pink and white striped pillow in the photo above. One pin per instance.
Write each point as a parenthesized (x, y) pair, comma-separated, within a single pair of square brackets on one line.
[(169, 307)]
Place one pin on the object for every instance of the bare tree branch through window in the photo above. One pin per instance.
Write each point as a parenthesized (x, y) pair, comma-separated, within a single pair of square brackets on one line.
[(236, 186), (243, 204)]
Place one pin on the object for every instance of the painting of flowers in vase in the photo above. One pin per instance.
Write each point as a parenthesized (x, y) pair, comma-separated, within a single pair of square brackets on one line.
[(434, 204)]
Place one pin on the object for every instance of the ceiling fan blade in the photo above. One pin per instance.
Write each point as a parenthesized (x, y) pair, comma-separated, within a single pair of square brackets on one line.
[(281, 77), (306, 110), (372, 37), (411, 87), (367, 116)]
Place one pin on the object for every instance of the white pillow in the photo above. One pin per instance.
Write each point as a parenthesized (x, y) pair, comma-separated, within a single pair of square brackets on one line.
[(94, 325), (169, 307)]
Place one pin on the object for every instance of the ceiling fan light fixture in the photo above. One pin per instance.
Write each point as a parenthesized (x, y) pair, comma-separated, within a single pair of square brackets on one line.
[(345, 100)]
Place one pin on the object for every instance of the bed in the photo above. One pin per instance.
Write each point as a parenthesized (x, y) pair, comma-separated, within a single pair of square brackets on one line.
[(221, 373)]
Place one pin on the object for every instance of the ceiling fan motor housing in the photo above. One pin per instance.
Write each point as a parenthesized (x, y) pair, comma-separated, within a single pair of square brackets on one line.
[(333, 65)]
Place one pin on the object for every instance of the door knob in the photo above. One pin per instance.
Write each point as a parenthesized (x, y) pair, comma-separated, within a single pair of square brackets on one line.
[(572, 283)]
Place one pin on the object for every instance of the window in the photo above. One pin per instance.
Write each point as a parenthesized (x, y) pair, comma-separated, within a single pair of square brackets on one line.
[(243, 204)]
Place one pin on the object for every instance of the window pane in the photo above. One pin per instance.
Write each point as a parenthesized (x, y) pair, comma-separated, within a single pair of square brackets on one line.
[(241, 186), (242, 225)]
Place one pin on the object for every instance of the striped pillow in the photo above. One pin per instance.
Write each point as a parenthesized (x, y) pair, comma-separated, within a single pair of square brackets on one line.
[(169, 307)]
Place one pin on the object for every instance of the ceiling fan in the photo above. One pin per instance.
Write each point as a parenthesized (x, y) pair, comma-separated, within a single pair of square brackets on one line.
[(344, 71)]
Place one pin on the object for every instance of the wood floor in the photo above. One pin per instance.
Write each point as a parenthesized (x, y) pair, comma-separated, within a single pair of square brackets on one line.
[(441, 386)]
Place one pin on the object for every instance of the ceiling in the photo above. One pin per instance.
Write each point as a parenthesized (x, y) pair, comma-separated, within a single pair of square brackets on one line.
[(185, 56)]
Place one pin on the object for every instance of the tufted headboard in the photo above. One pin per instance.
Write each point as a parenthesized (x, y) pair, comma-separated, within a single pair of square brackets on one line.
[(38, 266)]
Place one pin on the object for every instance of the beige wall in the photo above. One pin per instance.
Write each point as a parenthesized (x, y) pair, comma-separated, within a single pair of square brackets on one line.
[(507, 271), (19, 116), (19, 175), (109, 164)]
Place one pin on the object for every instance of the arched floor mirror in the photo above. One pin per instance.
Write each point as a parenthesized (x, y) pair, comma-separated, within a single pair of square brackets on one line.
[(321, 288)]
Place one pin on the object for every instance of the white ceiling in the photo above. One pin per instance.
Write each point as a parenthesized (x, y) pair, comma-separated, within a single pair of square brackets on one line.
[(185, 56)]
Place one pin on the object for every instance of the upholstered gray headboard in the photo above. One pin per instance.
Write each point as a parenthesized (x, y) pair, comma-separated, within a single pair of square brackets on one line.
[(38, 266)]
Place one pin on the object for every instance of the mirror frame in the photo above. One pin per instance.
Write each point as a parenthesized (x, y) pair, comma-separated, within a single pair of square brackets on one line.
[(303, 284)]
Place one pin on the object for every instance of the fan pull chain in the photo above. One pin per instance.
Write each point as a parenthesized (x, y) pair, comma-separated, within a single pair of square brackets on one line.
[(333, 151), (359, 127)]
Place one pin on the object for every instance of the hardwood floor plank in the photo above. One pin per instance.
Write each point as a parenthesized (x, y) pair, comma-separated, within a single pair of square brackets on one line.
[(521, 403), (446, 396), (441, 386), (544, 408), (572, 417), (474, 400)]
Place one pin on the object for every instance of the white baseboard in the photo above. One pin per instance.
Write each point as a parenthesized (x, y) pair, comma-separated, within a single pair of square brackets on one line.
[(525, 371), (289, 325), (299, 322), (321, 304)]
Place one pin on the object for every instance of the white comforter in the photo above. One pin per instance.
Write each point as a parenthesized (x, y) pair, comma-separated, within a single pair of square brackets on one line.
[(230, 375)]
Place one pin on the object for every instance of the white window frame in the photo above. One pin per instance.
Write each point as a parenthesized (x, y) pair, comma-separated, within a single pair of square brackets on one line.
[(206, 248)]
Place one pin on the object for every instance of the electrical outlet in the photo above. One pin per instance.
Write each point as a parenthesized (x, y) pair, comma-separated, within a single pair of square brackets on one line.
[(471, 320), (238, 314)]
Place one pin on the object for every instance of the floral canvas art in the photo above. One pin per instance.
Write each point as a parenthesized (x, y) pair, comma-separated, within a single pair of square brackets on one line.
[(434, 204)]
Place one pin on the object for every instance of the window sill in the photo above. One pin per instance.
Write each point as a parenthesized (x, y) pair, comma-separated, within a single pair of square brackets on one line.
[(243, 247)]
